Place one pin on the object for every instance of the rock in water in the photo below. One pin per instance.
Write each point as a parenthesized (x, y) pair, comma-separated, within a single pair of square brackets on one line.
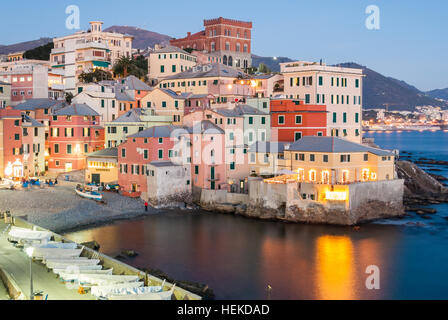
[(130, 253), (92, 245), (417, 181)]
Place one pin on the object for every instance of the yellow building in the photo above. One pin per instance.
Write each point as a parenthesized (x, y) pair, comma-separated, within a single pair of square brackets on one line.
[(165, 102), (102, 166), (332, 160)]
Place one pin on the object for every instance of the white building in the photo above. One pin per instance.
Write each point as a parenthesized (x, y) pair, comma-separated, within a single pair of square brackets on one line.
[(88, 50), (340, 89)]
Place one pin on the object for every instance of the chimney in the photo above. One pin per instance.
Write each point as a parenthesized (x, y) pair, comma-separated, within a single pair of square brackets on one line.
[(188, 34)]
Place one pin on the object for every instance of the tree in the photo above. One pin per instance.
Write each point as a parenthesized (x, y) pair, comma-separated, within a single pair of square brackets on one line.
[(68, 97), (95, 76), (137, 67), (263, 68), (122, 66), (40, 53)]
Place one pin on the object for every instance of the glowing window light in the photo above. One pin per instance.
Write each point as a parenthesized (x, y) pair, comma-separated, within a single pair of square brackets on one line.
[(300, 174), (229, 87), (365, 174), (312, 175), (345, 176), (373, 176), (325, 176), (336, 196)]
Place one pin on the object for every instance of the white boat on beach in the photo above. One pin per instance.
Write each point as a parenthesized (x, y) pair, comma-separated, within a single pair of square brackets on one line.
[(164, 295), (78, 269), (6, 184), (74, 276), (105, 280), (106, 291), (72, 264), (57, 245), (48, 253), (89, 194), (22, 234)]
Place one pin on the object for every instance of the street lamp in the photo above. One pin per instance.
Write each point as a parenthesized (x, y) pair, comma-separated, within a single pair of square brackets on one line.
[(29, 252)]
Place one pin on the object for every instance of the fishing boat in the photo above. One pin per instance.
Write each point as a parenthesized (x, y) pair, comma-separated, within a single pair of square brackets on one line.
[(21, 234), (6, 184), (93, 195), (72, 264), (106, 291), (78, 269), (164, 295), (74, 276), (57, 245), (105, 280), (48, 253)]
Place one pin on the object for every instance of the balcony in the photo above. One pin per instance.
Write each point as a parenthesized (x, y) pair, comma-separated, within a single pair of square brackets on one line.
[(215, 178)]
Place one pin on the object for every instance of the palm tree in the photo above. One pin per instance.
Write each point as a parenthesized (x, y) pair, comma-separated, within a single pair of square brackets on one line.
[(122, 66)]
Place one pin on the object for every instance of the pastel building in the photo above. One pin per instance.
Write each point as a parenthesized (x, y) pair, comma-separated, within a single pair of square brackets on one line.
[(226, 39), (292, 119), (75, 131), (103, 102), (102, 166), (31, 79), (168, 61), (225, 83), (139, 151), (338, 88), (268, 85), (166, 102), (225, 155), (85, 51), (266, 158), (132, 122), (5, 94), (22, 143)]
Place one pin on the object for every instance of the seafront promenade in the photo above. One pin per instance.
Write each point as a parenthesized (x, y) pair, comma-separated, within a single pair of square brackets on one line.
[(16, 264)]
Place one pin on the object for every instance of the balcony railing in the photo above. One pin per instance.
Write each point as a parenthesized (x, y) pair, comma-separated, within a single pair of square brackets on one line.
[(215, 178)]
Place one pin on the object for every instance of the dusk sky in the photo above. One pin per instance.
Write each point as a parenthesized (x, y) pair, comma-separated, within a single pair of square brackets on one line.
[(411, 44)]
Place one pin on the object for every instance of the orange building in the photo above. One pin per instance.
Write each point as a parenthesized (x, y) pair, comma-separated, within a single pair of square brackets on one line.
[(292, 119)]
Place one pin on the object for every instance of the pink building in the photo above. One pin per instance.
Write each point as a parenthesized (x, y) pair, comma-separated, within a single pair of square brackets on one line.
[(232, 166), (22, 144), (75, 131), (138, 151)]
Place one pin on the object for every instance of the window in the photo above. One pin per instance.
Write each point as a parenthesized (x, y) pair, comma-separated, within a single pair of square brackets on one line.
[(173, 68), (281, 119), (312, 157), (344, 116), (325, 158), (232, 165), (163, 104), (17, 136), (366, 157), (56, 148), (263, 120), (320, 134), (299, 119), (145, 154), (123, 153), (196, 169), (321, 81), (251, 120), (160, 140), (69, 149), (162, 69), (345, 158), (356, 83), (86, 148), (334, 117), (357, 117), (160, 153), (307, 98), (297, 136)]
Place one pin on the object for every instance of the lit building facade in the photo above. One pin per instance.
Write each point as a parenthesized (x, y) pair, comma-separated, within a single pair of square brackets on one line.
[(337, 88)]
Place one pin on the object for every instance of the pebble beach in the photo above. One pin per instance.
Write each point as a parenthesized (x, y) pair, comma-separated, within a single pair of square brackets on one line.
[(60, 209)]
